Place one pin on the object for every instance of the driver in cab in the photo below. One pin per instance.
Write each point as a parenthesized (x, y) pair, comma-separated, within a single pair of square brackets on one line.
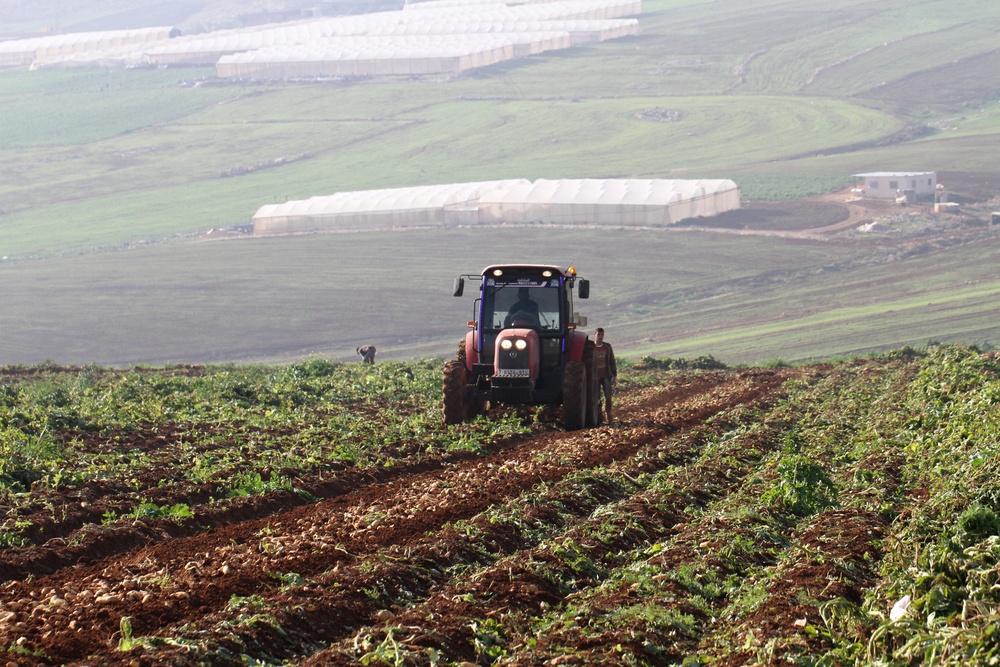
[(524, 312)]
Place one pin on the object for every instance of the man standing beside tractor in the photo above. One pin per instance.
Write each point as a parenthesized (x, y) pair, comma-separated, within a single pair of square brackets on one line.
[(607, 369)]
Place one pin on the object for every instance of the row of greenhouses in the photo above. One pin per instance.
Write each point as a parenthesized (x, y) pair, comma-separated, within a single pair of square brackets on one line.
[(601, 202), (421, 38), (386, 56), (36, 51)]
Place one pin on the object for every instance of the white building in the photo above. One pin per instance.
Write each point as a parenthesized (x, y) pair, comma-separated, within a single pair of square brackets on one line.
[(892, 184)]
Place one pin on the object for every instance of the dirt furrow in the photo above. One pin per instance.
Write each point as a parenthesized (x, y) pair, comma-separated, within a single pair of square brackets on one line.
[(405, 570), (558, 573), (192, 580)]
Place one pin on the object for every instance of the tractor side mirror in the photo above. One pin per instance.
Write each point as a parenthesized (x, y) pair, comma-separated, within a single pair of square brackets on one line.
[(459, 287), (584, 289)]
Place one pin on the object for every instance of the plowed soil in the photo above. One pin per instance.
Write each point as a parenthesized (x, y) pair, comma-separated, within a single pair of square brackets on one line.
[(414, 557)]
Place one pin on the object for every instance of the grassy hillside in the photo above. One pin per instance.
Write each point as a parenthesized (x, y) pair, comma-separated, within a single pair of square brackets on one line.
[(788, 101)]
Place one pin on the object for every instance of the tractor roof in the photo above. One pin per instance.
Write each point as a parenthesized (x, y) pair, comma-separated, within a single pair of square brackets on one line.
[(515, 268)]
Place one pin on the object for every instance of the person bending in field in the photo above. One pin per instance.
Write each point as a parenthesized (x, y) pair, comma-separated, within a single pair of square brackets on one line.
[(607, 369), (367, 353)]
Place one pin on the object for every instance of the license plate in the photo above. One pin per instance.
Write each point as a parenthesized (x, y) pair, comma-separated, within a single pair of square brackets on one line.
[(513, 373)]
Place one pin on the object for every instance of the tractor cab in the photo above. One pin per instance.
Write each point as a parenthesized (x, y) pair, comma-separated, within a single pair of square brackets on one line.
[(525, 316)]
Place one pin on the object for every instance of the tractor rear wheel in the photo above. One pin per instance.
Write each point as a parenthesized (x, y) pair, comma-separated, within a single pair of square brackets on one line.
[(574, 396), (456, 403)]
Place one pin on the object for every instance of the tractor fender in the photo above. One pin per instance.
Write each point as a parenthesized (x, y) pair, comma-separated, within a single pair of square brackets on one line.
[(574, 346), (471, 349)]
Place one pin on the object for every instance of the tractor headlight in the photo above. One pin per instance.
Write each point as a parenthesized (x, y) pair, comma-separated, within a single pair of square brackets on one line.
[(507, 344)]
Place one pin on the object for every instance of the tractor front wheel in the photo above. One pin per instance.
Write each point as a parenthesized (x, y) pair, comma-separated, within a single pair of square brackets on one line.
[(574, 396), (456, 403)]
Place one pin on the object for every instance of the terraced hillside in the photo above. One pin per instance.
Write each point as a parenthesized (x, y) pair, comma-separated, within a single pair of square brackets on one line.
[(320, 514), (112, 182)]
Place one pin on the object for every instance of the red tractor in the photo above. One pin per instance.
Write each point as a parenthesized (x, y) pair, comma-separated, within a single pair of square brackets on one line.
[(524, 346)]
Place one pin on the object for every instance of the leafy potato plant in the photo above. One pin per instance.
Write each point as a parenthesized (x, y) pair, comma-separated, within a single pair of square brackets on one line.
[(241, 430)]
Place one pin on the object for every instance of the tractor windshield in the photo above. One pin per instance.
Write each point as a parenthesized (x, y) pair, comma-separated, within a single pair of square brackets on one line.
[(533, 304)]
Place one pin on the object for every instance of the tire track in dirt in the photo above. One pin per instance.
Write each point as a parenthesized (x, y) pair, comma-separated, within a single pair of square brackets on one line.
[(186, 585)]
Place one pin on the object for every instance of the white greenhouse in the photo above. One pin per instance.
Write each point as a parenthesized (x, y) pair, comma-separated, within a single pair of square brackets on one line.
[(580, 31), (422, 38), (422, 206), (37, 51), (604, 202), (632, 201), (388, 55)]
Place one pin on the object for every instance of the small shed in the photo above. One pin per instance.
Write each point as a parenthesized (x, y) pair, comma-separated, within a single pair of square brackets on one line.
[(892, 184)]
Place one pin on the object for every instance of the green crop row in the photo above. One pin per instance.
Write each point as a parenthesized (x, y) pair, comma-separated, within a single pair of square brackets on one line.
[(242, 429), (914, 446)]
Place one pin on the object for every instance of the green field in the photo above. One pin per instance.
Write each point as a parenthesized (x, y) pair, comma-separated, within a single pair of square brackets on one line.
[(109, 180), (321, 513)]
